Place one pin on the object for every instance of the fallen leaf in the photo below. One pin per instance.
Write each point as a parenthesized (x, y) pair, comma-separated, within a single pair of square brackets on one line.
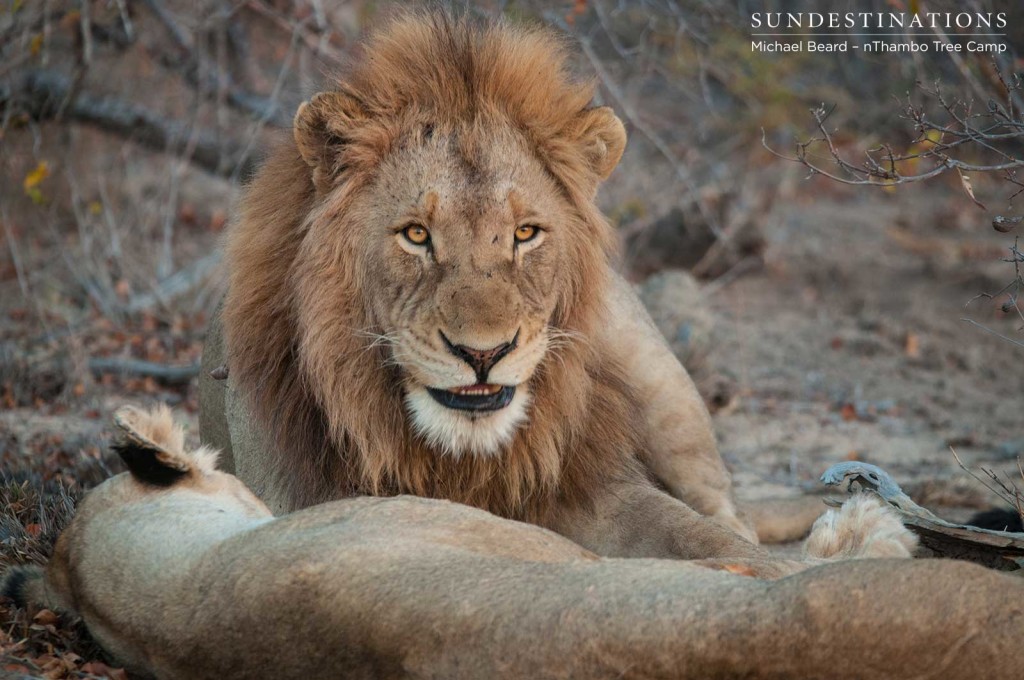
[(102, 669), (912, 346), (46, 617)]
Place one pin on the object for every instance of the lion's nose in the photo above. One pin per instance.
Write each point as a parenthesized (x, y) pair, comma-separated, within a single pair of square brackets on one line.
[(481, 360)]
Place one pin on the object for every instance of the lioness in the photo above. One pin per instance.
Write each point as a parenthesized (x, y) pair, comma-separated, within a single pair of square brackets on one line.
[(179, 571), (421, 300)]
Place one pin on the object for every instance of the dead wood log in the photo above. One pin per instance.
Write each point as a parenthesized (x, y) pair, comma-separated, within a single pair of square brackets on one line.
[(146, 369), (51, 368), (1001, 550), (43, 94)]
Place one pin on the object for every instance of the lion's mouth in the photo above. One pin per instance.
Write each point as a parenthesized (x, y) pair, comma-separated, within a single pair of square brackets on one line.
[(479, 397)]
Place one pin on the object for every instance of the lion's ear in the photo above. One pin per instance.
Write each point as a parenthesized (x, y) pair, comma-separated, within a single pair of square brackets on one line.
[(602, 137), (321, 128)]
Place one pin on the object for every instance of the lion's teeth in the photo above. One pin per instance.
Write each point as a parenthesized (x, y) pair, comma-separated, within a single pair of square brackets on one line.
[(476, 391)]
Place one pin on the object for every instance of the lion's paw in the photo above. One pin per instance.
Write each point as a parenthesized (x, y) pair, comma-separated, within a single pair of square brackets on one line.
[(863, 527)]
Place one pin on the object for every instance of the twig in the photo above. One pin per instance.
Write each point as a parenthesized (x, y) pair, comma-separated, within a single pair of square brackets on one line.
[(259, 107), (15, 257), (282, 75), (643, 128), (181, 39), (176, 284), (871, 172), (995, 333), (318, 45), (999, 492)]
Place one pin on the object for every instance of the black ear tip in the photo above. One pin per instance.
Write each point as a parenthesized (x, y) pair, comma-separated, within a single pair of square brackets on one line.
[(13, 583), (148, 464)]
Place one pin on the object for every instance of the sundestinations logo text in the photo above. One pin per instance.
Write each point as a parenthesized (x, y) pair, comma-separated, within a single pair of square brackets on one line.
[(879, 20), (878, 31)]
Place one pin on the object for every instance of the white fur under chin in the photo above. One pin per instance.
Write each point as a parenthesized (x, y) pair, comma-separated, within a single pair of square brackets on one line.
[(456, 433)]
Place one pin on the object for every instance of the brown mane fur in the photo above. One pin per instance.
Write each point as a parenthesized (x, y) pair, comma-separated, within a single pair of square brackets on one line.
[(299, 352)]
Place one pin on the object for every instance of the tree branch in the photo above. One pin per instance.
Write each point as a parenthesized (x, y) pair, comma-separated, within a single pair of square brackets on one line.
[(259, 107), (41, 94)]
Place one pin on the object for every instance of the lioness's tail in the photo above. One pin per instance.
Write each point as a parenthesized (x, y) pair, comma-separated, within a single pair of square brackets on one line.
[(864, 526), (25, 584)]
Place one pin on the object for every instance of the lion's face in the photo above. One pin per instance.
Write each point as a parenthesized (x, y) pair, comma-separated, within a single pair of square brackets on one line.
[(466, 259), (454, 218)]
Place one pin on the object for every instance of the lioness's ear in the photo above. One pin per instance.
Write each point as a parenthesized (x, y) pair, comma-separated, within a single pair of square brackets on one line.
[(321, 127), (602, 137), (152, 447)]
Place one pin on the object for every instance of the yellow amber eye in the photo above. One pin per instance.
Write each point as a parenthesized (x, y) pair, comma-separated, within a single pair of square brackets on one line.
[(416, 234), (526, 232)]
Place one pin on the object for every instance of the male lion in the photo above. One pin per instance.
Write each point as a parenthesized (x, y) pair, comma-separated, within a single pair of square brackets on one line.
[(179, 571), (421, 301)]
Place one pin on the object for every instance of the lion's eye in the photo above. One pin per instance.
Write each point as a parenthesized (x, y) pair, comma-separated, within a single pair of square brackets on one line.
[(416, 234), (526, 233)]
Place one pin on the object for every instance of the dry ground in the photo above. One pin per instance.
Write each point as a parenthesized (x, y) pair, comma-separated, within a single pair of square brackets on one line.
[(851, 343)]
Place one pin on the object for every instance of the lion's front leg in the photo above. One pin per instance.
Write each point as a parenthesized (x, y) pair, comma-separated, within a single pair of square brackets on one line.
[(634, 519), (679, 441)]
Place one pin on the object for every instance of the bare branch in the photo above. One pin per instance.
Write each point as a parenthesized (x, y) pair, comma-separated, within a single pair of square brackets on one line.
[(40, 94), (175, 285), (212, 83)]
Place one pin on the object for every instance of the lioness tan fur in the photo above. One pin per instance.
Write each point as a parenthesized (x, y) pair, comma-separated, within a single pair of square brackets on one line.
[(338, 328), (180, 572)]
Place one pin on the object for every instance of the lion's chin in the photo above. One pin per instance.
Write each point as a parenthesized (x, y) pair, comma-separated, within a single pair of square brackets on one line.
[(457, 432)]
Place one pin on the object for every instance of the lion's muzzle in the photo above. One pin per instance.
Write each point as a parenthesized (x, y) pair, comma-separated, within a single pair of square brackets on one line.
[(482, 396), (481, 360)]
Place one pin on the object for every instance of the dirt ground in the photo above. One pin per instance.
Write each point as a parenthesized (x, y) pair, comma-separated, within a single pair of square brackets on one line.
[(851, 344)]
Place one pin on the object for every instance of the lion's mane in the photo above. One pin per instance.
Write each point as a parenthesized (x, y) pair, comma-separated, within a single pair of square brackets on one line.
[(300, 354)]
